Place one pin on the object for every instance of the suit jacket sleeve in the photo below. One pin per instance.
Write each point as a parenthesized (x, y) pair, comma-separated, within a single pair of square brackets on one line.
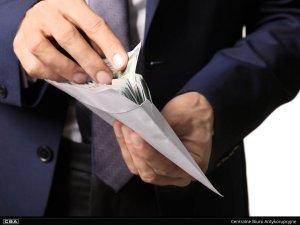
[(245, 83), (11, 14)]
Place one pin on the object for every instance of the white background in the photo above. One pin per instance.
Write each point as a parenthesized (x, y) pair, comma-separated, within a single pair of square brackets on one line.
[(273, 163)]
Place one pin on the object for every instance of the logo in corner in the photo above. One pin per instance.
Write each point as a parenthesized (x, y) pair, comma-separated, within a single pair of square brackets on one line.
[(10, 221)]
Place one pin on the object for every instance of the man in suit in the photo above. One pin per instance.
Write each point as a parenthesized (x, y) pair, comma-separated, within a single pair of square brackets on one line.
[(213, 87)]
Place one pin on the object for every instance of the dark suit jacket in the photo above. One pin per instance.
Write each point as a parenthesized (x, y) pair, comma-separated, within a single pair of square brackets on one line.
[(189, 46)]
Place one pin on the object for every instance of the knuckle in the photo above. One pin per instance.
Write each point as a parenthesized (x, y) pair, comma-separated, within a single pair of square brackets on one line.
[(132, 169), (126, 157), (66, 36), (168, 168), (35, 8), (16, 45), (163, 172), (56, 77), (151, 155), (149, 177), (38, 9), (34, 69), (203, 164), (35, 45), (202, 159), (147, 155), (95, 25), (204, 168)]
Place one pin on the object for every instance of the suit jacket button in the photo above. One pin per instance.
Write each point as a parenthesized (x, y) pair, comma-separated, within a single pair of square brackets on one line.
[(45, 154), (3, 91)]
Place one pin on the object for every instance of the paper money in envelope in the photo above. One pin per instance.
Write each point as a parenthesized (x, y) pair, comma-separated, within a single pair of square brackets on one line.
[(128, 100)]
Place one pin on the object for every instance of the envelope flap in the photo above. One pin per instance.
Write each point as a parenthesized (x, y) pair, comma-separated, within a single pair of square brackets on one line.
[(101, 97)]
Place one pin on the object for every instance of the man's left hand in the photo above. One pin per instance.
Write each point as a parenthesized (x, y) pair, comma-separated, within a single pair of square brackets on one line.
[(191, 117)]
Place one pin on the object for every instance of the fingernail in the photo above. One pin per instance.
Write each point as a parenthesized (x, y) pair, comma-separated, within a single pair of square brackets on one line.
[(126, 135), (118, 131), (136, 141), (79, 78), (118, 60), (103, 77)]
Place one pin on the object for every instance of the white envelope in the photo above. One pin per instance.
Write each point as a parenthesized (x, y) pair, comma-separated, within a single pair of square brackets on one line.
[(144, 119)]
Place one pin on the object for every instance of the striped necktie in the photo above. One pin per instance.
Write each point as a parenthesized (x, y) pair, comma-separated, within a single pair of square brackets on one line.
[(107, 162)]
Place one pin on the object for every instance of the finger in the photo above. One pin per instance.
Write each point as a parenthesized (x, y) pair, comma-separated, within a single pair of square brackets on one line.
[(160, 164), (125, 153), (166, 181), (37, 69), (149, 175), (70, 39), (96, 48), (34, 67), (98, 31), (145, 172), (92, 43), (200, 151), (51, 58)]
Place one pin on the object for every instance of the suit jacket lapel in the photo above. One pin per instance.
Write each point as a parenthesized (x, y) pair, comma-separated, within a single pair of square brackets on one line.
[(150, 11)]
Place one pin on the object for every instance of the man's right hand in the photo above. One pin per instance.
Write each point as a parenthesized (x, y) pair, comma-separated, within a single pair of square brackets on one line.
[(52, 22)]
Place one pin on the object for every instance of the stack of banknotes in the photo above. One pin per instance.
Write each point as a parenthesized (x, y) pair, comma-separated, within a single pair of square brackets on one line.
[(128, 82)]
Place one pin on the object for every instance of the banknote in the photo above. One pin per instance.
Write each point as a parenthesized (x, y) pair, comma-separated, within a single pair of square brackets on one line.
[(128, 82)]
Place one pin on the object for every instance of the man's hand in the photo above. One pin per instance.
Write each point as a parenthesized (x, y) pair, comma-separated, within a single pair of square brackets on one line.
[(50, 23), (191, 117)]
